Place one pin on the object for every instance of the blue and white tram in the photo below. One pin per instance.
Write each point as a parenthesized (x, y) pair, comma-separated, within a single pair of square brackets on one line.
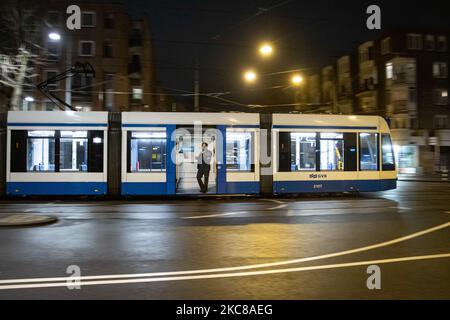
[(331, 153), (160, 149), (155, 153), (56, 153)]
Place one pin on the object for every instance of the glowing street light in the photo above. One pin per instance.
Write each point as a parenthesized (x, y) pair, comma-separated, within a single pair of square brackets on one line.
[(266, 50), (29, 99), (250, 76), (54, 36), (296, 80)]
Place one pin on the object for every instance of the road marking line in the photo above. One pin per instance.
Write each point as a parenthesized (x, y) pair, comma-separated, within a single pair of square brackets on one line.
[(254, 266), (215, 215), (400, 208), (273, 200), (229, 275), (281, 206)]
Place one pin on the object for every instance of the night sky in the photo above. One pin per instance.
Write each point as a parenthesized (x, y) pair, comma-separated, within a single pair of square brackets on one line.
[(223, 36)]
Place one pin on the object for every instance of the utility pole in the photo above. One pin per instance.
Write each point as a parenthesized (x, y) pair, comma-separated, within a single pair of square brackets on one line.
[(196, 88), (68, 96)]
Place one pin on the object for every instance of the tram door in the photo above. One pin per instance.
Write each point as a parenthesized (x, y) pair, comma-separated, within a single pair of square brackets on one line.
[(188, 148)]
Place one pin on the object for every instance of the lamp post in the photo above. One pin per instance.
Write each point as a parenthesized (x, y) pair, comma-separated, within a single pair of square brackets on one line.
[(56, 37)]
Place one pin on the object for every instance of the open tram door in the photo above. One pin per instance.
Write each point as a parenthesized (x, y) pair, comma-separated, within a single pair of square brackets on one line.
[(188, 147)]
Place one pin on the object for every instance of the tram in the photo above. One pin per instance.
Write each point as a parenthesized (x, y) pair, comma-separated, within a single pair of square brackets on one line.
[(125, 154)]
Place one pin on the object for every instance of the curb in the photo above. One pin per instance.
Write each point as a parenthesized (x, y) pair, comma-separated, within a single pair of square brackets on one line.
[(413, 180), (17, 220)]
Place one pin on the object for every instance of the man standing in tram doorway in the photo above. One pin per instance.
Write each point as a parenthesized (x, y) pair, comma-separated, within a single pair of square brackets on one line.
[(203, 167)]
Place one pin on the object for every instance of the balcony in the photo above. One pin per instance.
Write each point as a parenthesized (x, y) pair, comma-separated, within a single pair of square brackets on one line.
[(135, 41), (367, 86), (401, 107), (134, 69), (401, 78), (443, 136), (404, 136)]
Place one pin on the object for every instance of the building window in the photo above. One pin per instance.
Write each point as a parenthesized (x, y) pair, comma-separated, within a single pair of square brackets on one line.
[(386, 45), (442, 43), (86, 48), (439, 69), (108, 22), (440, 97), (440, 122), (429, 42), (368, 151), (53, 18), (389, 70), (48, 74), (366, 54), (137, 94), (73, 154), (331, 151), (88, 19), (49, 106), (135, 65), (107, 49), (413, 122), (147, 151), (388, 161), (412, 95), (414, 41), (82, 85), (239, 152), (303, 151), (41, 151)]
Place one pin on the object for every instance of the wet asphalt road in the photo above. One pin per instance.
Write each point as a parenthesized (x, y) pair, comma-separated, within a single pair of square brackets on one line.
[(136, 236)]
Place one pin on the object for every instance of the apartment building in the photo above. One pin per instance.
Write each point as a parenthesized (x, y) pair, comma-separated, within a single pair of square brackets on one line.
[(402, 76), (117, 46)]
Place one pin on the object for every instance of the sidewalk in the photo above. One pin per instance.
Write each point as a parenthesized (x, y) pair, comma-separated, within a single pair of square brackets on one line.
[(423, 177), (16, 220)]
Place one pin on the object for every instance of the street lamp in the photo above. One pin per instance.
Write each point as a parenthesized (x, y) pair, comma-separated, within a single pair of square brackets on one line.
[(54, 36), (296, 80), (266, 50), (250, 76)]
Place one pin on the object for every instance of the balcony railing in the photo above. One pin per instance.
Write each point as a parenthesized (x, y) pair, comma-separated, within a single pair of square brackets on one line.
[(401, 78), (364, 87), (135, 42), (134, 68), (401, 106)]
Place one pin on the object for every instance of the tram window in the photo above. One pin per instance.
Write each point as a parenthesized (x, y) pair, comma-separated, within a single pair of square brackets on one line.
[(284, 151), (95, 151), (239, 152), (387, 152), (331, 151), (147, 151), (73, 154), (350, 157), (18, 160), (41, 150), (303, 151), (368, 151)]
